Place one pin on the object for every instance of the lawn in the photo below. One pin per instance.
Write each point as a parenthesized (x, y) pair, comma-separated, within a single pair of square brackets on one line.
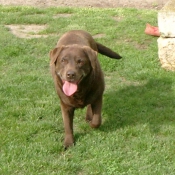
[(137, 136)]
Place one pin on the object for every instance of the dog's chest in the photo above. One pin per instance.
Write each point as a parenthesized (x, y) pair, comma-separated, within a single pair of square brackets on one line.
[(79, 100)]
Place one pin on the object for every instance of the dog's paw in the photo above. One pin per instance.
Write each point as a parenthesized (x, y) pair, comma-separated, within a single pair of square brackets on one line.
[(96, 122), (94, 125), (68, 141)]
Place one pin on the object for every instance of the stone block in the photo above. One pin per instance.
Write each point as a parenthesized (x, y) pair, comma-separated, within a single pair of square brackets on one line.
[(166, 52), (166, 19)]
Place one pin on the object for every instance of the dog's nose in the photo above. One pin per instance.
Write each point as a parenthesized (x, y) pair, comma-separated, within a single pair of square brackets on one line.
[(70, 74)]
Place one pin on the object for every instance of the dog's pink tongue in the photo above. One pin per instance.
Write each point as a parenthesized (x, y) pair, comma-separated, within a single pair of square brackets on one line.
[(69, 88)]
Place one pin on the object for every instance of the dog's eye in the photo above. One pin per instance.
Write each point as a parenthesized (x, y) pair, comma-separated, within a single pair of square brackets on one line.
[(63, 60), (80, 62)]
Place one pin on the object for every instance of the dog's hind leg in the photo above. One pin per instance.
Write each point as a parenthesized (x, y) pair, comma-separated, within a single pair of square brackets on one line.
[(89, 114), (96, 111)]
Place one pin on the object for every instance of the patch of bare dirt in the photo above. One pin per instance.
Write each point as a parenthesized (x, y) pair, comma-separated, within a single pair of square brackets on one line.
[(62, 15), (149, 4), (118, 18), (27, 31), (100, 35), (139, 46)]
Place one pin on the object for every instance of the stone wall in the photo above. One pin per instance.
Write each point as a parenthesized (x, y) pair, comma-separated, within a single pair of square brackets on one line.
[(166, 42)]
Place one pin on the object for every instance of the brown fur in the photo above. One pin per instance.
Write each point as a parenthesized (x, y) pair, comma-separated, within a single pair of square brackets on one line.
[(75, 60)]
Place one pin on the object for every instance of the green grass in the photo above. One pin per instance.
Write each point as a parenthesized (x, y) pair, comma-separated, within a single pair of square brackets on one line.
[(137, 136)]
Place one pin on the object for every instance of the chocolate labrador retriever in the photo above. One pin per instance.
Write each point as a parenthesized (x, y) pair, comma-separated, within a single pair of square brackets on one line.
[(78, 78)]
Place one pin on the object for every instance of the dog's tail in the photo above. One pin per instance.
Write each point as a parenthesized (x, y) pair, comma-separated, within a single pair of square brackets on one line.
[(107, 52)]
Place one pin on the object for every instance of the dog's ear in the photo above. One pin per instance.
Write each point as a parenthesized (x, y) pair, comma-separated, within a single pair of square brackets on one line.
[(92, 54), (54, 54)]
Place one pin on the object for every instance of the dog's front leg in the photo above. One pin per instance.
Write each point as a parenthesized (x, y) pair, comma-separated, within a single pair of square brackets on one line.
[(68, 115)]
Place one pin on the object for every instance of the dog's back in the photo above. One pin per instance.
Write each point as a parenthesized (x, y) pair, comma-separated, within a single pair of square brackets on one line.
[(83, 38), (78, 37)]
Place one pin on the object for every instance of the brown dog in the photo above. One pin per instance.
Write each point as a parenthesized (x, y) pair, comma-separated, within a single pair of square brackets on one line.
[(78, 78)]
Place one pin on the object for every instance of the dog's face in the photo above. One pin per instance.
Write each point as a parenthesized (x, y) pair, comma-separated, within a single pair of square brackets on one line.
[(72, 65)]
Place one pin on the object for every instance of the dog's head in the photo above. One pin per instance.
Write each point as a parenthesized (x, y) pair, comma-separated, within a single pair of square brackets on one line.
[(72, 64)]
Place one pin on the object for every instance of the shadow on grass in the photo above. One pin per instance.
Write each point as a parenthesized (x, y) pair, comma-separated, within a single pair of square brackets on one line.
[(151, 103)]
